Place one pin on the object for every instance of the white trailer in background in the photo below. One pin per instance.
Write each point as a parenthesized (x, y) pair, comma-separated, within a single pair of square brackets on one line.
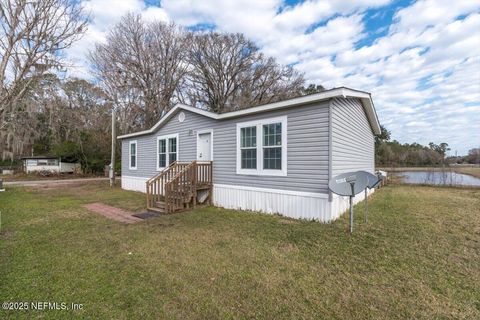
[(49, 163)]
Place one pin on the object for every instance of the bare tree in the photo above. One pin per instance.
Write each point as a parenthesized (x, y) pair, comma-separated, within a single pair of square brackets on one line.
[(218, 65), (474, 156), (87, 102), (141, 67), (32, 34), (268, 81), (228, 72)]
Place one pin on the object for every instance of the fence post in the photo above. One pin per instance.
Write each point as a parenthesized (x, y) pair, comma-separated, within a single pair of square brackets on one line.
[(195, 168), (210, 178)]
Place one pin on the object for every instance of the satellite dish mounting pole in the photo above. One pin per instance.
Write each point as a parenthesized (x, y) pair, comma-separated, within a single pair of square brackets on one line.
[(366, 205), (352, 185), (349, 184)]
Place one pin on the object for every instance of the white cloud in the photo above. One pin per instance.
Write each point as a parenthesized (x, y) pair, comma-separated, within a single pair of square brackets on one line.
[(432, 13), (424, 73), (104, 15), (155, 14)]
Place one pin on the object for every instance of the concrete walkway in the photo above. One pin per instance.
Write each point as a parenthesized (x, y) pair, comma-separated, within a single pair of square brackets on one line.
[(53, 182)]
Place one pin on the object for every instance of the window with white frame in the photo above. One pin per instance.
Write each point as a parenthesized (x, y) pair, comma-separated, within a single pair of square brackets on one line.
[(248, 147), (262, 147), (162, 153), (172, 150), (133, 155), (272, 146), (167, 150)]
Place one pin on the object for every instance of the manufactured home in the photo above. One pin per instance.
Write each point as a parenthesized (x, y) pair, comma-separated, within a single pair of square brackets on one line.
[(275, 158), (50, 164)]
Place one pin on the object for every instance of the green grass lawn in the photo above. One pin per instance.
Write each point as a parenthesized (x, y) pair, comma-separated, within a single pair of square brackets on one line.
[(418, 257)]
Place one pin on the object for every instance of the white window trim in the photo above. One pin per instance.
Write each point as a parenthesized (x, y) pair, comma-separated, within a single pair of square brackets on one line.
[(130, 155), (166, 137), (199, 132), (260, 171)]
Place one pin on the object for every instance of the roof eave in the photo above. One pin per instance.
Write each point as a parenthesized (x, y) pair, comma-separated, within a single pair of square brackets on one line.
[(321, 96), (367, 102)]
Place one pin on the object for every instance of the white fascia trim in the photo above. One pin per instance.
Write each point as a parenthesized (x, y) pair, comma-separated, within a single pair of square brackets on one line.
[(199, 132), (260, 171), (277, 191), (130, 155), (166, 137), (367, 102), (371, 115), (325, 95), (167, 116)]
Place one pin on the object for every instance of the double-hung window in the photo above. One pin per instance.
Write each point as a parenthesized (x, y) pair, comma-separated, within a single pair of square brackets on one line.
[(167, 150), (262, 147), (132, 155), (248, 147)]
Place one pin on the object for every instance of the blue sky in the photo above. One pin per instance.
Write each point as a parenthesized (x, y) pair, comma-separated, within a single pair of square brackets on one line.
[(419, 59)]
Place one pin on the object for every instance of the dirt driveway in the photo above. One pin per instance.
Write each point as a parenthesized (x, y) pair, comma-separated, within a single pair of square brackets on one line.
[(54, 183)]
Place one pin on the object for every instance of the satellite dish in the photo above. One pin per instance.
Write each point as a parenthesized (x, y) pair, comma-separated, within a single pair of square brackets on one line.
[(373, 180), (350, 184), (343, 183)]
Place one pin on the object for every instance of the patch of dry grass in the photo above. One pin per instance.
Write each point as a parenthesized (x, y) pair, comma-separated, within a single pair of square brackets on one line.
[(416, 258), (473, 171)]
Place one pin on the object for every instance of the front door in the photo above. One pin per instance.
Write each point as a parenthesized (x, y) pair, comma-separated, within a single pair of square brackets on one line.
[(204, 146)]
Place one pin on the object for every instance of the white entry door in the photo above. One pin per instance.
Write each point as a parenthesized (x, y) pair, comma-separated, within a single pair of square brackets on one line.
[(204, 146)]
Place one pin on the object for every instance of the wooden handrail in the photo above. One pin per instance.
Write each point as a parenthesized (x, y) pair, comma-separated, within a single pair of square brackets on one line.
[(155, 185), (188, 166), (161, 172), (176, 186), (180, 188)]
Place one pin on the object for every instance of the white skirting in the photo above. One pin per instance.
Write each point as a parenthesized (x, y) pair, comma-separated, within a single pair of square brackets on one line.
[(340, 204), (293, 204), (134, 183)]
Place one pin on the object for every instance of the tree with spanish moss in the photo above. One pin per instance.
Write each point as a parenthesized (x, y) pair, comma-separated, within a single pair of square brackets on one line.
[(32, 36)]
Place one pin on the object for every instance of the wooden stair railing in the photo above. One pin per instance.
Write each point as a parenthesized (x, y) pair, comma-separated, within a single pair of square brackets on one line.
[(155, 186), (175, 188), (180, 190)]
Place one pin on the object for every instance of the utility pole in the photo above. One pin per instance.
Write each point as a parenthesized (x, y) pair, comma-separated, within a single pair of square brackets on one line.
[(112, 159)]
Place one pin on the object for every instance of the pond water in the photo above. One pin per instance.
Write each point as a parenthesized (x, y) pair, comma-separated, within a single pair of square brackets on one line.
[(437, 178)]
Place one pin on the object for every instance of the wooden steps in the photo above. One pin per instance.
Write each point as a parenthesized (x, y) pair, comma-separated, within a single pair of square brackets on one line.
[(160, 205), (159, 210), (175, 188)]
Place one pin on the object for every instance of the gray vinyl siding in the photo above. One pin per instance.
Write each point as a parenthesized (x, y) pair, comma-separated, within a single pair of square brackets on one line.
[(353, 146), (147, 144), (307, 148), (307, 151)]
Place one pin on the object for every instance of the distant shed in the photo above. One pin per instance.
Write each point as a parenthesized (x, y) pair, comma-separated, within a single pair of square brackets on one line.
[(49, 163)]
